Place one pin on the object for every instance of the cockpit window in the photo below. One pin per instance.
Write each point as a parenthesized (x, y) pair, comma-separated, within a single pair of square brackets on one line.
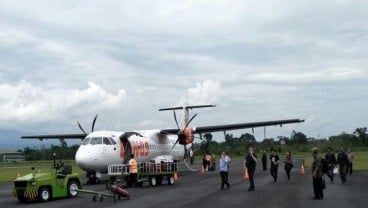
[(106, 141), (112, 141), (96, 140), (86, 141)]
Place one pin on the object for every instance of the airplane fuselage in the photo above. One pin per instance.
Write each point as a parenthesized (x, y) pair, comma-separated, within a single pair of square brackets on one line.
[(102, 148)]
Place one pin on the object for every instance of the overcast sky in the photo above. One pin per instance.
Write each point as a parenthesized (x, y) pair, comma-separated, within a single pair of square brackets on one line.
[(66, 61)]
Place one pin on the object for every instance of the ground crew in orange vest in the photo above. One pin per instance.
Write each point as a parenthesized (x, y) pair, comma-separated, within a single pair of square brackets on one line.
[(133, 171)]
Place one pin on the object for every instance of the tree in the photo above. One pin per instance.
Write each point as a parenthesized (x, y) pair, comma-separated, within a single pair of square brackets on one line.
[(361, 134), (298, 138), (247, 138)]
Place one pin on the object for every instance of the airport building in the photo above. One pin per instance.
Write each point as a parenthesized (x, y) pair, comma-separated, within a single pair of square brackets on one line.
[(8, 156)]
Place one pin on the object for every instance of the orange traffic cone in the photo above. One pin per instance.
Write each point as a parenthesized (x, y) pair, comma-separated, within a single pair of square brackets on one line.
[(202, 170), (246, 176), (302, 170), (175, 176)]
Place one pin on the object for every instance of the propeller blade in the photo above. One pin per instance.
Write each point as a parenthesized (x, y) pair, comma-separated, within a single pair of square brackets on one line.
[(190, 120), (175, 144), (80, 127), (176, 120), (93, 123)]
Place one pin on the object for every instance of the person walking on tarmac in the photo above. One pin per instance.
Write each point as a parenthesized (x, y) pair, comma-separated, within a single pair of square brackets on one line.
[(133, 171), (349, 169), (264, 160), (274, 158), (250, 165), (224, 170), (317, 175), (207, 161), (288, 165), (331, 161), (343, 161)]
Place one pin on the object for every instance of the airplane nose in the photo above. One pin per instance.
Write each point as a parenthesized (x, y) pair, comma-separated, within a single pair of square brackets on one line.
[(82, 159)]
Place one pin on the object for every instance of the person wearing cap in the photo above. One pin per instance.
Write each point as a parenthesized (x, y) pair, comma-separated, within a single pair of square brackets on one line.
[(317, 175)]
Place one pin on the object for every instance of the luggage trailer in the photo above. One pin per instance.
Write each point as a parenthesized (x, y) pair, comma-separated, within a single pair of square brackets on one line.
[(154, 173)]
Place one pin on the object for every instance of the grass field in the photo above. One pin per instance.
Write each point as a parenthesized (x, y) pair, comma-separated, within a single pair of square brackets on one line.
[(9, 171)]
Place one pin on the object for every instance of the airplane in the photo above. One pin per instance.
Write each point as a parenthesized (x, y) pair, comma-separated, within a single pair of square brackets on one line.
[(99, 149)]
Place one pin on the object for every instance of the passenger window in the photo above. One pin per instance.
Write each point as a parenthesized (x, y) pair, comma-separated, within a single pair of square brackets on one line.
[(106, 141)]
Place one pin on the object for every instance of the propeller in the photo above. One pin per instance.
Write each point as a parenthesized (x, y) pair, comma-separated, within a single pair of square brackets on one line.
[(93, 125), (183, 133)]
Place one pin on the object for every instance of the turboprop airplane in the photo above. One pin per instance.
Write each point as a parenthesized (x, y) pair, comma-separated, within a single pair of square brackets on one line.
[(99, 149)]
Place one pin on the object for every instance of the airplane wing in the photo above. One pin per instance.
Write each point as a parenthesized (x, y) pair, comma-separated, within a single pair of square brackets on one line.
[(226, 127), (56, 136)]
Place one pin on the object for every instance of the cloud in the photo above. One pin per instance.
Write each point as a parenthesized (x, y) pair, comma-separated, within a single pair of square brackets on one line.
[(328, 75), (207, 92), (65, 61), (25, 102)]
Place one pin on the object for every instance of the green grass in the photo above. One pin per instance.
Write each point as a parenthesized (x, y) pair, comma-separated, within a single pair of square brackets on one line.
[(9, 171)]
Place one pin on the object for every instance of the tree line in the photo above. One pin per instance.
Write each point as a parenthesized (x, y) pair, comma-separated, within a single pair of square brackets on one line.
[(297, 142), (236, 146)]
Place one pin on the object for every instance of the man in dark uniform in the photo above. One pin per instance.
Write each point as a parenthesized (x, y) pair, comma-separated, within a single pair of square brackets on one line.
[(317, 175), (343, 161), (250, 165), (331, 161), (274, 164), (264, 160)]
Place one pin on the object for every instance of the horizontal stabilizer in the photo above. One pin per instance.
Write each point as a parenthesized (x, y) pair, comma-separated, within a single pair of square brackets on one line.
[(187, 107)]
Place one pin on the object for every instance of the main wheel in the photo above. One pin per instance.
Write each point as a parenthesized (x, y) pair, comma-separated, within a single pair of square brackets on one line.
[(72, 186), (170, 180), (152, 181), (159, 180), (44, 194)]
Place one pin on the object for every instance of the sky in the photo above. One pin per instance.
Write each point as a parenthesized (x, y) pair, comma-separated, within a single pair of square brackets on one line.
[(66, 61)]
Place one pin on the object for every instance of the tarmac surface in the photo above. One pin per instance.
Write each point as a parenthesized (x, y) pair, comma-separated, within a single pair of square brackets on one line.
[(196, 189)]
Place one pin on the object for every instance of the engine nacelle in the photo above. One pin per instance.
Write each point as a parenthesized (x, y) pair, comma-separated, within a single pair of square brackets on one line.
[(187, 137)]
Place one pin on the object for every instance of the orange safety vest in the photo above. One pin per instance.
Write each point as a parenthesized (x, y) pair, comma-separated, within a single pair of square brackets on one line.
[(133, 166)]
